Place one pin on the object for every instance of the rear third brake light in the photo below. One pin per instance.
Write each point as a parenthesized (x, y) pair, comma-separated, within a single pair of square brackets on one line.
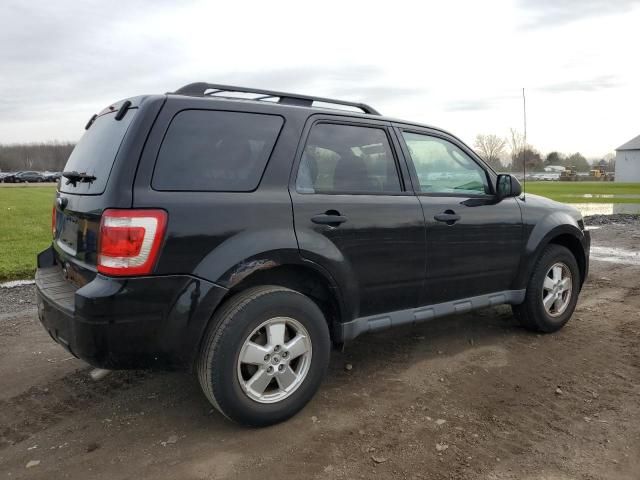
[(130, 241)]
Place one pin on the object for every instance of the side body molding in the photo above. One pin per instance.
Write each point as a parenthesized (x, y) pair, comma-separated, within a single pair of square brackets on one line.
[(352, 329)]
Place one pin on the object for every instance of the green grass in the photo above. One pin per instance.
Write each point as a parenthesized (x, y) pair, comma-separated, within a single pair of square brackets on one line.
[(25, 229), (574, 192)]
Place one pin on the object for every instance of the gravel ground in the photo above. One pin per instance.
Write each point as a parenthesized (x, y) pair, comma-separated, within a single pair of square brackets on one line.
[(473, 396), (615, 219), (17, 299)]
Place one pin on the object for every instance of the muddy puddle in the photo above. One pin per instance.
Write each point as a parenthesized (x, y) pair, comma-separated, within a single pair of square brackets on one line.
[(616, 255)]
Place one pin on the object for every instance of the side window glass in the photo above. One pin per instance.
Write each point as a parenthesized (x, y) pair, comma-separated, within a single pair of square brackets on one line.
[(347, 159), (211, 150), (444, 168)]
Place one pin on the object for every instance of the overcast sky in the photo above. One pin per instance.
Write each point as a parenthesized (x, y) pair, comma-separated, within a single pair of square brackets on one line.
[(459, 65)]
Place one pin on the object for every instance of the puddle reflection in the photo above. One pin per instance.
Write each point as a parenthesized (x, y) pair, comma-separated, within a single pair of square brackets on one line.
[(606, 208)]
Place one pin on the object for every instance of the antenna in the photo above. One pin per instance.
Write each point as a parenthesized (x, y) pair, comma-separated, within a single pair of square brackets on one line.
[(524, 148)]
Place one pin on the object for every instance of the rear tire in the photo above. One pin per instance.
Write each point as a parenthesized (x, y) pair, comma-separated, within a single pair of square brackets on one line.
[(552, 291), (264, 355)]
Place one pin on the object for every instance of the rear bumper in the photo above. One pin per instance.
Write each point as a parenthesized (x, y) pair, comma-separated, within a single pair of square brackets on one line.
[(138, 322)]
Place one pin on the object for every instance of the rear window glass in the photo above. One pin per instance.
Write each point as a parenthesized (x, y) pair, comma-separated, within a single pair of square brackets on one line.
[(215, 151), (95, 153)]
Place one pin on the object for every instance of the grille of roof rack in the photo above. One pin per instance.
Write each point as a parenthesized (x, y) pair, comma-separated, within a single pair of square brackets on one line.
[(213, 89)]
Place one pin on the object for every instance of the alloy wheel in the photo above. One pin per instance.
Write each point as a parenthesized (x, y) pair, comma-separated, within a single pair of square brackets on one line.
[(557, 289), (274, 360)]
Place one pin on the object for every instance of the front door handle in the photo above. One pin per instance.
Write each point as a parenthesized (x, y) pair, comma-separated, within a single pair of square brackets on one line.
[(448, 216), (331, 218)]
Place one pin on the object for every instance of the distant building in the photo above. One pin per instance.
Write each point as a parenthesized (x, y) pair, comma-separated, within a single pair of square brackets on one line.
[(628, 161)]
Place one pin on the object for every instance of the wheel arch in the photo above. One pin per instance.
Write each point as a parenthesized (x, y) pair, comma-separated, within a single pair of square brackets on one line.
[(302, 276), (568, 235), (574, 245)]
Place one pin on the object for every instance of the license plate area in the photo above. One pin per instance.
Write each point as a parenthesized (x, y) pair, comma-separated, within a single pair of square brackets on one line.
[(68, 238)]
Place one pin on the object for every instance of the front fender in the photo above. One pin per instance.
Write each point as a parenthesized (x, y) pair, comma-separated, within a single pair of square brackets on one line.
[(540, 233)]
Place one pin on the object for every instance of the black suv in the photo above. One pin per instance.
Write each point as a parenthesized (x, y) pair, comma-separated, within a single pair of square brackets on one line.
[(243, 237)]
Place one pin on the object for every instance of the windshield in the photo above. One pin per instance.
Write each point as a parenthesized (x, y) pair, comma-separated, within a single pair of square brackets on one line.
[(95, 153)]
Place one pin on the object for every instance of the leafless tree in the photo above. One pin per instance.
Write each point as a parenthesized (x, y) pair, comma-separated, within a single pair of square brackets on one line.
[(34, 156), (491, 148), (516, 143), (610, 158)]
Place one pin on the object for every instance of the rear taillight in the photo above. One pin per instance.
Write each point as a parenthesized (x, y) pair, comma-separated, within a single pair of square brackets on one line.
[(130, 241), (53, 221)]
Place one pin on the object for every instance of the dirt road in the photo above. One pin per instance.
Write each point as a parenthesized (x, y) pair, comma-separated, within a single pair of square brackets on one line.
[(472, 396)]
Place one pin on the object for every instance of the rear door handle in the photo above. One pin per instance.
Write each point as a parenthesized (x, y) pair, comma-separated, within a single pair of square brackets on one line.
[(331, 218), (448, 216)]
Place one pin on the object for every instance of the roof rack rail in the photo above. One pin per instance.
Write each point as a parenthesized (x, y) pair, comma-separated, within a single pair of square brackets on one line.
[(201, 89)]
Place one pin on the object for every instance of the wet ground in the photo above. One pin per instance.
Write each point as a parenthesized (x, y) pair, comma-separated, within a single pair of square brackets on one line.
[(471, 396), (607, 208)]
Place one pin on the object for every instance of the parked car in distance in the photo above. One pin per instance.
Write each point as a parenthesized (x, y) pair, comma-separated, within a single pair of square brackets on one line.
[(28, 176), (7, 177), (243, 238), (51, 176), (547, 177)]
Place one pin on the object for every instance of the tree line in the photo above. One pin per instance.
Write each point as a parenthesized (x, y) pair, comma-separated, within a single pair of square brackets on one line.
[(511, 153), (50, 156)]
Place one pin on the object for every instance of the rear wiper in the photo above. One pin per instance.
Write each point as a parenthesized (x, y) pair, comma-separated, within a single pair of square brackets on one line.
[(75, 177)]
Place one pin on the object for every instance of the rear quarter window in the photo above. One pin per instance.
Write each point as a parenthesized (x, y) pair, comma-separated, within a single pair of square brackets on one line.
[(205, 150)]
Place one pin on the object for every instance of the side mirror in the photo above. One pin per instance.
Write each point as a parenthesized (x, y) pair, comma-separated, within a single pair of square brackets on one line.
[(507, 186)]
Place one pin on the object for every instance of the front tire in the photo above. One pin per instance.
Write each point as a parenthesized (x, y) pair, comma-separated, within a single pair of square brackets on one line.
[(264, 355), (552, 291)]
